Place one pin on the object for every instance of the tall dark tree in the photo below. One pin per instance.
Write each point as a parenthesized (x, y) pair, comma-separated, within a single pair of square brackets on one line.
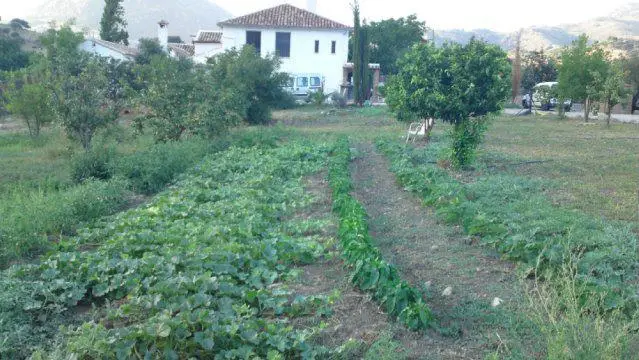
[(391, 38), (537, 67), (361, 55), (12, 57), (516, 71), (112, 24)]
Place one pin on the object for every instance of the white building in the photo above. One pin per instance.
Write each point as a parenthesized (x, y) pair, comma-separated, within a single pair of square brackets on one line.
[(306, 42), (206, 44), (108, 49)]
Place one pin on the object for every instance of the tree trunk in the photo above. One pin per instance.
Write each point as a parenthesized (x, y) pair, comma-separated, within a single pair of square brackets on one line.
[(586, 109)]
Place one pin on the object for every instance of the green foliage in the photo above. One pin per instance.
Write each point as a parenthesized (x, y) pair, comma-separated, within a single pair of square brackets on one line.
[(317, 98), (537, 68), (391, 38), (338, 99), (369, 271), (255, 82), (149, 170), (581, 73), (83, 102), (512, 215), (183, 99), (30, 100), (113, 24), (613, 88), (556, 305), (453, 83), (30, 219), (94, 164), (12, 57), (19, 24), (465, 137), (147, 50), (62, 55), (198, 272), (361, 55)]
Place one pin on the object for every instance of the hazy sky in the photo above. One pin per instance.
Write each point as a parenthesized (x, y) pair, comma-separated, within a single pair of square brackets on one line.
[(501, 15)]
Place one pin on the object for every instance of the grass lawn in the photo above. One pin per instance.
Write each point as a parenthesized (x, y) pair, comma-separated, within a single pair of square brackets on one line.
[(591, 167)]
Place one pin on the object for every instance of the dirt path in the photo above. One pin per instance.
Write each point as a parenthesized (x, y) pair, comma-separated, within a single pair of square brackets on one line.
[(434, 257)]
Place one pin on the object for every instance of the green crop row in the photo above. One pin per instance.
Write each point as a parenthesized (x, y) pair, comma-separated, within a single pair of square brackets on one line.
[(513, 215), (199, 272), (369, 270)]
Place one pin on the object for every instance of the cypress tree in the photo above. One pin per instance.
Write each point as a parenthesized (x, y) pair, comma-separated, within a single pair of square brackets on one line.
[(361, 51), (112, 24)]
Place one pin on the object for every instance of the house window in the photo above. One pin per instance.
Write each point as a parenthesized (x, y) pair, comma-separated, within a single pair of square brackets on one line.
[(302, 82), (333, 45), (316, 46), (316, 81), (283, 44), (254, 38)]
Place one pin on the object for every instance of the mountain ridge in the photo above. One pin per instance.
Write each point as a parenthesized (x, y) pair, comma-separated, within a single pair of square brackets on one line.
[(185, 17), (622, 23)]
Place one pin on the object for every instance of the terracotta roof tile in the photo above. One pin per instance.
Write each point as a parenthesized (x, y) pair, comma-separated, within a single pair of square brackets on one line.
[(284, 16), (182, 50), (204, 36)]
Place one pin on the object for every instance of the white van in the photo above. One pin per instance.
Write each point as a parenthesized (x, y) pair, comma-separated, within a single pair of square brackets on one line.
[(302, 84)]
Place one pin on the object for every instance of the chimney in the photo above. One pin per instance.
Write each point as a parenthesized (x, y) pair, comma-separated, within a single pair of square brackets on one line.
[(311, 5), (163, 34)]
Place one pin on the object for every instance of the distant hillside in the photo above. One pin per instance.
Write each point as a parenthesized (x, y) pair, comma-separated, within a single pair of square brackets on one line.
[(30, 39), (622, 23), (185, 17)]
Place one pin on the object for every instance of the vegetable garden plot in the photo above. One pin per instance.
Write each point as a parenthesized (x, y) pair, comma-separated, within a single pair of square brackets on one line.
[(198, 272)]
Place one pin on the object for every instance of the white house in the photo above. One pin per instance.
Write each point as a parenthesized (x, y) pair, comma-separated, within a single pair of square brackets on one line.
[(306, 42), (206, 44), (108, 49)]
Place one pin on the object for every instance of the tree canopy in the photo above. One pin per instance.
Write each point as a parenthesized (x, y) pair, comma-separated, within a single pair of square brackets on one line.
[(391, 38), (113, 24), (581, 73), (537, 67), (12, 57), (454, 83)]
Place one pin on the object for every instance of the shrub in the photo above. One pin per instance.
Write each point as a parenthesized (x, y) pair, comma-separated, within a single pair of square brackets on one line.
[(317, 98), (256, 80), (150, 170), (30, 218), (338, 99), (94, 164)]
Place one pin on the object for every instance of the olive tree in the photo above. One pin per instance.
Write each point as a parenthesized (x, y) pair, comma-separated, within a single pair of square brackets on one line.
[(458, 84)]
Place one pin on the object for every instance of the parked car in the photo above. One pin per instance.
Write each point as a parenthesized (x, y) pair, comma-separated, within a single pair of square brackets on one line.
[(303, 84), (544, 96)]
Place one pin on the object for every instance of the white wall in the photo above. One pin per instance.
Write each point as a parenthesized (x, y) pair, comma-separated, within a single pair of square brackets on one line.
[(303, 57), (203, 51), (95, 48)]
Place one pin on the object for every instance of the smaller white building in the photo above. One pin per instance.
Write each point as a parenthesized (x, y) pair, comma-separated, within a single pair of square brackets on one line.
[(206, 44), (306, 43), (109, 49)]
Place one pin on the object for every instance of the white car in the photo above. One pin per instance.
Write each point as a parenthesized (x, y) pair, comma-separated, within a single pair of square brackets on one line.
[(539, 101)]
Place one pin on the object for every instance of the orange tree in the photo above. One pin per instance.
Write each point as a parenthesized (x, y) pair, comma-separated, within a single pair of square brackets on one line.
[(458, 84)]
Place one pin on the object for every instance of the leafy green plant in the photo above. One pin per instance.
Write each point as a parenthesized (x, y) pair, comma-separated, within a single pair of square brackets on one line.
[(94, 164), (369, 271), (317, 98), (198, 272), (512, 215)]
